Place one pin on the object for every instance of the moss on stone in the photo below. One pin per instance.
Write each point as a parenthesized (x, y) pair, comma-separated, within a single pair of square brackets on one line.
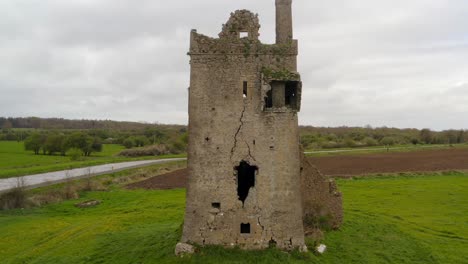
[(279, 75)]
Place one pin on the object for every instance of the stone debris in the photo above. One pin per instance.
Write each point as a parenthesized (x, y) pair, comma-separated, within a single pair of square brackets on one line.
[(321, 248), (184, 249), (88, 204)]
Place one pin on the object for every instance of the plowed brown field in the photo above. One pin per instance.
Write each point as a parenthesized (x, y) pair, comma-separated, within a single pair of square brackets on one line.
[(349, 165)]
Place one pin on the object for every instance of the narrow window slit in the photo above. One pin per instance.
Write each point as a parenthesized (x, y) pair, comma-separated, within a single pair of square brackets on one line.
[(244, 90)]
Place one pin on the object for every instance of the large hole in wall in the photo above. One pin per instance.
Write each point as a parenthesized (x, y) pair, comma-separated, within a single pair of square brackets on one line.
[(245, 179)]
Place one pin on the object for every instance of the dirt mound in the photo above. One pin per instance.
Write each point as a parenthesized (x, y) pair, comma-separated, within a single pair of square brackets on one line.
[(348, 165), (417, 161), (172, 180)]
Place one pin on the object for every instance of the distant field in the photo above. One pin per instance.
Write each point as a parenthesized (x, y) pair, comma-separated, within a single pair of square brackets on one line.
[(380, 149), (15, 161), (418, 219)]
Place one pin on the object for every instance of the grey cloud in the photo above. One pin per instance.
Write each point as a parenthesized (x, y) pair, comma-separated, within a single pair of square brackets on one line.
[(395, 63)]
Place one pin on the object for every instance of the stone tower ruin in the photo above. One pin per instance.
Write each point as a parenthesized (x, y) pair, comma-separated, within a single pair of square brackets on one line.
[(249, 185)]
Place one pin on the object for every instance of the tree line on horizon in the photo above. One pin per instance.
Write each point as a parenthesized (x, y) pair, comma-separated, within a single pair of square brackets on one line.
[(174, 137)]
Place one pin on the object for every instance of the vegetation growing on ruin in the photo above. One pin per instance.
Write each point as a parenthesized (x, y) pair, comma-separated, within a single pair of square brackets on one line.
[(400, 219), (279, 75)]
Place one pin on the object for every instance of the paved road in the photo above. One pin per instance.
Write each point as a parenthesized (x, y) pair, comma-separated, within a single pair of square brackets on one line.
[(44, 179)]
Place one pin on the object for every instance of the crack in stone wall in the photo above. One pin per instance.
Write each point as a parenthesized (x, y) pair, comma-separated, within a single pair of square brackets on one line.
[(249, 151), (238, 130)]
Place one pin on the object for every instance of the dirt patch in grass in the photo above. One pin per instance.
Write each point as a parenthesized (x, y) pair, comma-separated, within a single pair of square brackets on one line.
[(172, 180), (348, 166), (420, 161)]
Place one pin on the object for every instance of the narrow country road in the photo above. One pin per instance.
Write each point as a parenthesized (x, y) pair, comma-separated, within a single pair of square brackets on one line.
[(44, 179), (49, 178)]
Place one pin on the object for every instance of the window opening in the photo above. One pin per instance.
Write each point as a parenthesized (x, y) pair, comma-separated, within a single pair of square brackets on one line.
[(290, 95), (282, 94), (269, 99), (244, 90), (244, 34), (245, 179), (245, 228), (216, 205)]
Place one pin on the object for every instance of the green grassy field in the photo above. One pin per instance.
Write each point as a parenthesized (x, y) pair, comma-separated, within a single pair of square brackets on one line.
[(417, 219), (15, 161)]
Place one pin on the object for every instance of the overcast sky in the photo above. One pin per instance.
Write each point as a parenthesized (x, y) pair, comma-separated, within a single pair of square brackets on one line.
[(398, 63)]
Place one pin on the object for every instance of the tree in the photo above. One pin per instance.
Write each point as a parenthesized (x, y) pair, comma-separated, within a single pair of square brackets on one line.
[(426, 136), (83, 142), (97, 145), (34, 143), (54, 143), (451, 136), (387, 141), (140, 141), (7, 124), (370, 142), (128, 143), (461, 136)]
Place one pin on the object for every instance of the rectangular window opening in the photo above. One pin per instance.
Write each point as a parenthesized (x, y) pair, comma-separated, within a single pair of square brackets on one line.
[(290, 94), (244, 90), (243, 34), (216, 205), (283, 94), (245, 228), (269, 100)]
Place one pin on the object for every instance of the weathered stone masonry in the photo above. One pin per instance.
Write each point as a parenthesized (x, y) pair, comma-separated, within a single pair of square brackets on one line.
[(246, 179)]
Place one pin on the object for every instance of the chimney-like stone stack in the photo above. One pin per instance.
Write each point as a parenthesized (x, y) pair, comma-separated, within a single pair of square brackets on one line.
[(284, 27)]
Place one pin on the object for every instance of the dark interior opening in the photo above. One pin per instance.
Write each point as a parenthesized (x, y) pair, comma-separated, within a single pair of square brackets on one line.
[(216, 205), (245, 179), (290, 95), (244, 90), (245, 228), (269, 99), (272, 243), (283, 94)]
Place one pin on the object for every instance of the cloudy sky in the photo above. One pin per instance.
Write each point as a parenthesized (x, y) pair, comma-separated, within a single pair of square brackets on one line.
[(399, 63)]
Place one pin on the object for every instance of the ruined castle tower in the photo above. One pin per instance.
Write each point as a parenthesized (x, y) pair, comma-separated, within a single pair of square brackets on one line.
[(245, 183)]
